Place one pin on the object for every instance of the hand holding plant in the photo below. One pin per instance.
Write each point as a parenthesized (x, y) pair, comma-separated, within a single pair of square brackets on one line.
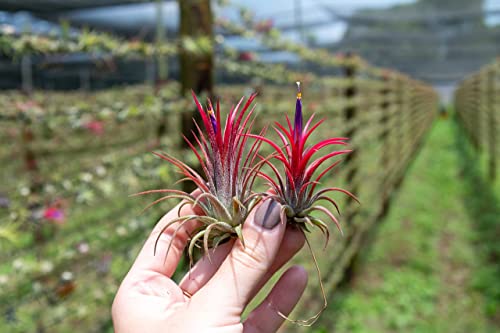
[(246, 235), (213, 294)]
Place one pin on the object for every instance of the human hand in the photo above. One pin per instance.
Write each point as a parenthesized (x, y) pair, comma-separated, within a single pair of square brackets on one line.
[(213, 295)]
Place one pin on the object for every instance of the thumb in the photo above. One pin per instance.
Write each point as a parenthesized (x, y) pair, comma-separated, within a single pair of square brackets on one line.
[(233, 284)]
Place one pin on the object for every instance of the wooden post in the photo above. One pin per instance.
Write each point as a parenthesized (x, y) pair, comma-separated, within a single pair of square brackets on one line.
[(474, 112), (85, 79), (399, 119), (490, 108), (482, 111), (150, 72), (196, 71), (400, 114), (159, 78), (27, 74), (393, 132), (350, 119), (470, 110), (415, 125), (27, 131), (160, 38), (384, 136), (350, 113)]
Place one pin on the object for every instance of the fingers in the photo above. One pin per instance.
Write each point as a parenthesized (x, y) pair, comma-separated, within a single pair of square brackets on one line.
[(233, 284), (204, 269), (172, 239), (266, 317), (293, 241)]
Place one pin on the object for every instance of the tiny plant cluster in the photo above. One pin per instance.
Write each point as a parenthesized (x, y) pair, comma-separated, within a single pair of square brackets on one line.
[(230, 158)]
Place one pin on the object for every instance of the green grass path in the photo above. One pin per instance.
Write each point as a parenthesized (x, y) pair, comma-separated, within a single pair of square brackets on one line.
[(427, 268)]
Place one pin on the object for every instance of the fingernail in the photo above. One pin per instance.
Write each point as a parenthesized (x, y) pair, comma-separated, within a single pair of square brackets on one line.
[(268, 214)]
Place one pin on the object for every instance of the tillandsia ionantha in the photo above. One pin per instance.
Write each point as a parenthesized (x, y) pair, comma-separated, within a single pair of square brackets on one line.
[(295, 187), (295, 175), (228, 164)]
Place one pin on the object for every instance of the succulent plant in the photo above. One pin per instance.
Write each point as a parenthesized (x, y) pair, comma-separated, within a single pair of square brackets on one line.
[(229, 170), (295, 186), (293, 166)]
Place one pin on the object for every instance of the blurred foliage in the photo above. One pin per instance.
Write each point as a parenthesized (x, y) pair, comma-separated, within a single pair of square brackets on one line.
[(65, 270), (93, 43), (87, 42), (8, 235)]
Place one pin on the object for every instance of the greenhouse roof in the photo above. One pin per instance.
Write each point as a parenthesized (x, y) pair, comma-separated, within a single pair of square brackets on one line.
[(50, 6)]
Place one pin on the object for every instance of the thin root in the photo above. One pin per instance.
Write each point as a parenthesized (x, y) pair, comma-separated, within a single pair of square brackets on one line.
[(310, 321)]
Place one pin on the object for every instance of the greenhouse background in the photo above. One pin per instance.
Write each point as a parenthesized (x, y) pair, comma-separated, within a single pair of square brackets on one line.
[(89, 89)]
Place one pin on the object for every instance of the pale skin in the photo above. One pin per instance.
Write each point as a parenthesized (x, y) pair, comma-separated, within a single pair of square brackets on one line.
[(214, 294)]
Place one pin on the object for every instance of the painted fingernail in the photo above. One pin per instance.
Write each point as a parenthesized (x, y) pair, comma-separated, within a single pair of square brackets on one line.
[(268, 214)]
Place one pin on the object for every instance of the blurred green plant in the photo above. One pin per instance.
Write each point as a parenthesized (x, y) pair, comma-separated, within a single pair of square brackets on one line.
[(423, 267), (9, 235)]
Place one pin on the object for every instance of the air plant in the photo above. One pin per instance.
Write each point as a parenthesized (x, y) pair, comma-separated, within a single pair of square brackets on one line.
[(295, 187), (294, 175), (228, 167)]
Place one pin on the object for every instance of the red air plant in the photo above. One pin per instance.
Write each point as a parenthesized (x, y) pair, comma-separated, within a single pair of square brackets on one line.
[(228, 174), (295, 187)]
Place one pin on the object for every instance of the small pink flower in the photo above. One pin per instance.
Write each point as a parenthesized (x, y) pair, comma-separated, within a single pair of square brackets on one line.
[(95, 126), (54, 214), (83, 247)]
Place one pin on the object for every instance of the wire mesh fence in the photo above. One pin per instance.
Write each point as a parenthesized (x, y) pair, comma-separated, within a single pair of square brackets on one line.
[(476, 100)]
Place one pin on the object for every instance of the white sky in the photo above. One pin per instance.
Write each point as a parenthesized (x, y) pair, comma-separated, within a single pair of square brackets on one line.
[(489, 5), (281, 11), (263, 8)]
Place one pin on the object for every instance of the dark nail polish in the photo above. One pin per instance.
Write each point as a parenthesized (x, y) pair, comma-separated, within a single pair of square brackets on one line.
[(268, 214)]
